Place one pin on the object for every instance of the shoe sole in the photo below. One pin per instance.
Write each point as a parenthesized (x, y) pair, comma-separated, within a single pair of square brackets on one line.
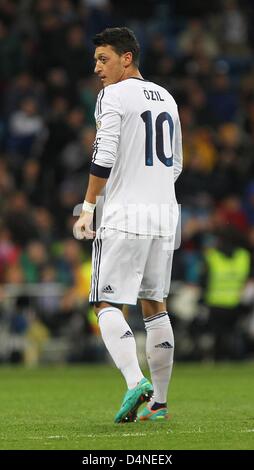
[(131, 415), (157, 418)]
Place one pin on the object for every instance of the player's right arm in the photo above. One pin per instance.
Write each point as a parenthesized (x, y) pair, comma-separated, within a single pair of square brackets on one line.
[(108, 115), (83, 226)]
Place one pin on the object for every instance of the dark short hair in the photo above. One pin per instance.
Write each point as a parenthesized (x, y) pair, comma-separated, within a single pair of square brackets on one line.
[(121, 39)]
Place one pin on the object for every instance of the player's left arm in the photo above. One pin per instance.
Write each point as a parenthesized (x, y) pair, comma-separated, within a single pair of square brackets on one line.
[(178, 151)]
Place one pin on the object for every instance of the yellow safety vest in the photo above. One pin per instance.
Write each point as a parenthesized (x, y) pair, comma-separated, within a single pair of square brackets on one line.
[(83, 288), (226, 277), (83, 279)]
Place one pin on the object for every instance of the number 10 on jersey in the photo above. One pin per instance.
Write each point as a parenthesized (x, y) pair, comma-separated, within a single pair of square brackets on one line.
[(159, 137)]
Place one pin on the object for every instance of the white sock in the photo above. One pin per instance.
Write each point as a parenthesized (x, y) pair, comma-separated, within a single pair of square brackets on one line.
[(120, 343), (159, 353)]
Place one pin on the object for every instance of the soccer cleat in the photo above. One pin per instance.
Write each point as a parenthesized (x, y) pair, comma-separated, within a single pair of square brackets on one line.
[(153, 415), (132, 400)]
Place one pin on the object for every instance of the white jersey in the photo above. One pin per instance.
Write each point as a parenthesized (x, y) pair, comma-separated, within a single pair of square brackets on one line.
[(138, 146)]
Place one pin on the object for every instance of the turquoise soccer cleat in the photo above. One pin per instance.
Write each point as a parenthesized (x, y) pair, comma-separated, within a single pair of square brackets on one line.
[(132, 400), (153, 415)]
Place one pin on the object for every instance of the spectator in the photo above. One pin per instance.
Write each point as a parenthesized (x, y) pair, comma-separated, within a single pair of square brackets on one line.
[(230, 213), (23, 87), (76, 56), (33, 261), (197, 37), (227, 272), (24, 126), (14, 274), (248, 204), (30, 183), (10, 53), (88, 91), (9, 252), (59, 86), (7, 182), (222, 98), (19, 219), (233, 30), (51, 38), (46, 227)]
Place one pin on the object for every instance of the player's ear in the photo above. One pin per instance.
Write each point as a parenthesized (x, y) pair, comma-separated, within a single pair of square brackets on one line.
[(127, 58)]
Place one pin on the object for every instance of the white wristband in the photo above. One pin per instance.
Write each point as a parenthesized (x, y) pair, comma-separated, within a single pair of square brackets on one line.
[(88, 207)]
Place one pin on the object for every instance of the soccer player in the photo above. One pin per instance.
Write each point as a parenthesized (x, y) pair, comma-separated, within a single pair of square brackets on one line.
[(137, 158)]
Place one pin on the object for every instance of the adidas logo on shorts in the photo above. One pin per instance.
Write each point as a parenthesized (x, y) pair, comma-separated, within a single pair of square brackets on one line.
[(128, 334), (108, 290), (165, 345)]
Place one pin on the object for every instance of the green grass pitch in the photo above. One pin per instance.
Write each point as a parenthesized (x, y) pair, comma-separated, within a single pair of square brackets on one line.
[(73, 407)]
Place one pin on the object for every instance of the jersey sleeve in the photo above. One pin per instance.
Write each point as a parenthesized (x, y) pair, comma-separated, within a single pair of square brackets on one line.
[(108, 116), (178, 151)]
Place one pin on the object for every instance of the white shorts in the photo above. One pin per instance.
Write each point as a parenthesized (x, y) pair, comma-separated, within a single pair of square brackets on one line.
[(124, 270)]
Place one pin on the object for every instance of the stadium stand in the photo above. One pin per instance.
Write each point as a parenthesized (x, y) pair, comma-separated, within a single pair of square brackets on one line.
[(204, 56)]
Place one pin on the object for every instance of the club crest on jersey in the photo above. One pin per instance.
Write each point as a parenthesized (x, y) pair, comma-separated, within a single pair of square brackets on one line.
[(98, 125)]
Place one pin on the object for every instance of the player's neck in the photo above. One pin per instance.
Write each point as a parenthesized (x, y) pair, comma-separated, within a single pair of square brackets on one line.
[(132, 73)]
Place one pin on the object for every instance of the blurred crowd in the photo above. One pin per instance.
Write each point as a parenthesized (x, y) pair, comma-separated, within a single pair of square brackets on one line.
[(204, 55)]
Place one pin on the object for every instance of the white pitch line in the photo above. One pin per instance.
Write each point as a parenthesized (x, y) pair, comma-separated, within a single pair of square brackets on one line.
[(247, 430), (96, 436), (191, 431)]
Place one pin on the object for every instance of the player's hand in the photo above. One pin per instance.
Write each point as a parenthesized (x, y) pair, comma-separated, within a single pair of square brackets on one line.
[(83, 227)]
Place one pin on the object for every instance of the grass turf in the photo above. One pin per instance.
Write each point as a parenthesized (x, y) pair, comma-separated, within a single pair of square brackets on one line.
[(72, 407)]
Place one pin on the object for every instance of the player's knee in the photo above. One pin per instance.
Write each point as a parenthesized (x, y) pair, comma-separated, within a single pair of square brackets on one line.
[(98, 306), (152, 307)]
